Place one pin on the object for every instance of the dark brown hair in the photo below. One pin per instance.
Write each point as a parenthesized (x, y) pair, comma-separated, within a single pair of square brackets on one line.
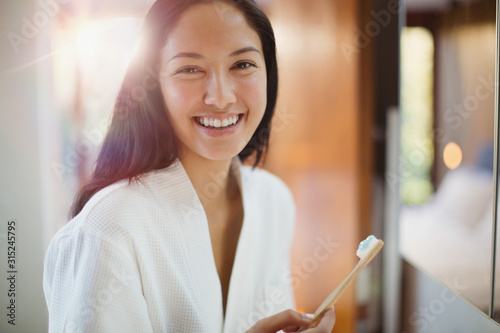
[(140, 137)]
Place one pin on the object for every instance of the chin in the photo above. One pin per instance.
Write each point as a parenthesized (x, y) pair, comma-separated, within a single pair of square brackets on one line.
[(217, 154), (220, 156)]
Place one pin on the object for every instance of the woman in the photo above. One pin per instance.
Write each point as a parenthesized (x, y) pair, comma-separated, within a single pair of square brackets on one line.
[(173, 233)]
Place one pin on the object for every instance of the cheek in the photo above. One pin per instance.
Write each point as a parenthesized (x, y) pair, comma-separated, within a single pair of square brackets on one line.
[(178, 97), (255, 92)]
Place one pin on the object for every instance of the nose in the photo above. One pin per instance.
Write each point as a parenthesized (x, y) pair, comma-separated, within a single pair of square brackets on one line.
[(220, 90)]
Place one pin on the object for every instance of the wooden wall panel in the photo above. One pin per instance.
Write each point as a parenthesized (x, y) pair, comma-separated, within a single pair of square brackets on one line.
[(315, 145)]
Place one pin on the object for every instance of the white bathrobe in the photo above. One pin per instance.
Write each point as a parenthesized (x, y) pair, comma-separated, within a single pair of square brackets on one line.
[(138, 258)]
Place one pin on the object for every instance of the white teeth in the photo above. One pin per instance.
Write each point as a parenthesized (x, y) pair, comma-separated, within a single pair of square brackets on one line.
[(217, 123)]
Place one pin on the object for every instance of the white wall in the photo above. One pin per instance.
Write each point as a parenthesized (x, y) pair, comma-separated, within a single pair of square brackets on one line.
[(25, 130)]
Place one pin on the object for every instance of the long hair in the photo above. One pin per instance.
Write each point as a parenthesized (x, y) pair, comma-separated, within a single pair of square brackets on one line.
[(140, 137)]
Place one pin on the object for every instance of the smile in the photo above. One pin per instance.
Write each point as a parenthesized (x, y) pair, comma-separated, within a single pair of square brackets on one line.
[(218, 123)]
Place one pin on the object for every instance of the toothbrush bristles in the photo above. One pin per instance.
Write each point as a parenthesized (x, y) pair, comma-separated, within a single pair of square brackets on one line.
[(375, 246)]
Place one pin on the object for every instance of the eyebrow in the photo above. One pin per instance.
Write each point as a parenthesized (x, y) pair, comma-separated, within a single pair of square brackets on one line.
[(199, 56), (244, 50)]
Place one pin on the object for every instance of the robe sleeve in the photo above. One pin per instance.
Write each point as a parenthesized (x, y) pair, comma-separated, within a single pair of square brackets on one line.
[(92, 286)]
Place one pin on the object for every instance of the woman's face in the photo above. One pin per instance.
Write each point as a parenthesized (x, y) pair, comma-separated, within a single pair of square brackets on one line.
[(213, 79)]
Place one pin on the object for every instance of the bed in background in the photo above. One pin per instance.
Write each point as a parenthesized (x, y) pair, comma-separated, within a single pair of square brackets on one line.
[(450, 236)]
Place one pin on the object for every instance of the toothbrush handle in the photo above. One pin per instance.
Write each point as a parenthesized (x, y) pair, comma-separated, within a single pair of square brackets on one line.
[(335, 295)]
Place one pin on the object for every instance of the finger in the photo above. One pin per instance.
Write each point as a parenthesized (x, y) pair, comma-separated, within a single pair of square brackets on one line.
[(285, 319), (327, 322)]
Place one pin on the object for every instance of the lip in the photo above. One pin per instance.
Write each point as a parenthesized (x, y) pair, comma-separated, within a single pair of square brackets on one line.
[(213, 132)]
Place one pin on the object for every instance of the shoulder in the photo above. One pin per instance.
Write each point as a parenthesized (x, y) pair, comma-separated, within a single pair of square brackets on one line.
[(266, 183), (112, 214), (118, 203), (97, 224), (100, 231), (79, 264), (270, 197), (122, 212), (75, 249)]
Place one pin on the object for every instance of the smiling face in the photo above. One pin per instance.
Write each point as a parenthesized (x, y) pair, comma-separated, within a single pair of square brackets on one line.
[(213, 79)]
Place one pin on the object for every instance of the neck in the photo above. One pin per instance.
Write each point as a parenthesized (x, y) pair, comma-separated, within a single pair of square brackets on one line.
[(212, 181)]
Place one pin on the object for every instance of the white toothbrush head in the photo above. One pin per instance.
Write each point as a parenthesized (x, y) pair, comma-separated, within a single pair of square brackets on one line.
[(369, 246)]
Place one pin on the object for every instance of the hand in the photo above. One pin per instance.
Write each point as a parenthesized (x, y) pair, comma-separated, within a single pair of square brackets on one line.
[(290, 321)]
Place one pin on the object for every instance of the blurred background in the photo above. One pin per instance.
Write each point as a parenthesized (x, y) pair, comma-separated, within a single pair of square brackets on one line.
[(385, 125)]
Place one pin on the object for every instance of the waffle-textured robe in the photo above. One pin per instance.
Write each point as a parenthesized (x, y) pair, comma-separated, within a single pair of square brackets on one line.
[(138, 258)]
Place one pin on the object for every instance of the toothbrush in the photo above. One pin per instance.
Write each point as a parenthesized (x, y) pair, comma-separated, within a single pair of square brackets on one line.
[(367, 250)]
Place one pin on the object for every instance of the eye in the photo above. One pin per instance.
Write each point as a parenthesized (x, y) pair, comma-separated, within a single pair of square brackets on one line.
[(188, 70), (244, 65)]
